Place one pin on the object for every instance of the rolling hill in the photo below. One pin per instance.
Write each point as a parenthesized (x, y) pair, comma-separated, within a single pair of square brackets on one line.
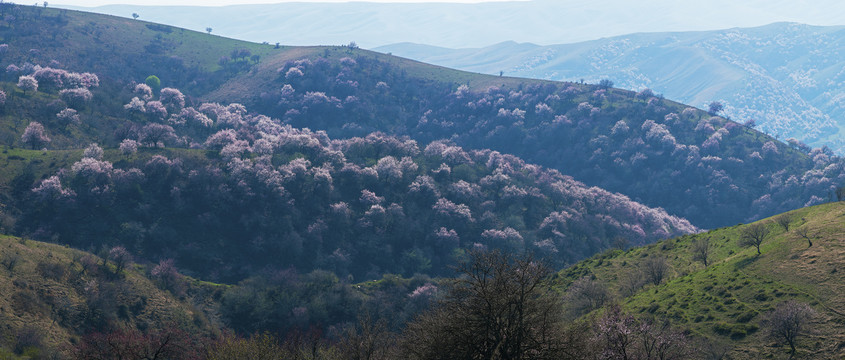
[(334, 183), (53, 296), (729, 300), (785, 76), (651, 149)]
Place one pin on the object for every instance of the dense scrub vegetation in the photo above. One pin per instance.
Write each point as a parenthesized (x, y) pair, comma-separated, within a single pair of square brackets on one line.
[(695, 165), (703, 167), (53, 295), (276, 196)]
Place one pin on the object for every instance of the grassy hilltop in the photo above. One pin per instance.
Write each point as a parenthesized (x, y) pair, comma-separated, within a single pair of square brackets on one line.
[(729, 299)]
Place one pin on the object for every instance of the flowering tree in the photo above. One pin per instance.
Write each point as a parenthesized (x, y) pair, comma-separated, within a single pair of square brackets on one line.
[(172, 98), (128, 146), (68, 116), (143, 91), (51, 188), (28, 83), (34, 135), (49, 77), (153, 134), (156, 110), (120, 258), (76, 97), (93, 151)]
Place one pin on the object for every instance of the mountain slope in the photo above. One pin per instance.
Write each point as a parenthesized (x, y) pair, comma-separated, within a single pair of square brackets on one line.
[(785, 76), (729, 300), (661, 153), (52, 296)]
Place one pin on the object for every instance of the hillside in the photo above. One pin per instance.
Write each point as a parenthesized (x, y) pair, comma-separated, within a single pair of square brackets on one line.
[(785, 76), (336, 192), (729, 300), (661, 153), (53, 296)]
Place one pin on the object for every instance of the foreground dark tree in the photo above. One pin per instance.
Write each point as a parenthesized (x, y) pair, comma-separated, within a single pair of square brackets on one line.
[(257, 347), (122, 344), (499, 308), (754, 235), (789, 321), (369, 340), (621, 336)]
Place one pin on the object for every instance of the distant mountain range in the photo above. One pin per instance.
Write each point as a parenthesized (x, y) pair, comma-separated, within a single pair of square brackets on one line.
[(474, 25), (787, 77)]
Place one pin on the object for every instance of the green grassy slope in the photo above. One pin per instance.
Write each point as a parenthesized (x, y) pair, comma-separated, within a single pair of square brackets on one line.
[(182, 58), (728, 300), (57, 294)]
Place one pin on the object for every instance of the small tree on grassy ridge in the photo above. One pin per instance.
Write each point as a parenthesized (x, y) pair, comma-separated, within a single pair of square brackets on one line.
[(714, 108), (655, 268), (701, 250), (754, 235), (784, 220), (804, 232), (789, 321), (120, 257), (585, 295)]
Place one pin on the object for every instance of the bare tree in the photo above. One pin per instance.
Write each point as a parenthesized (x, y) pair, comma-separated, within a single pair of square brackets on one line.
[(804, 232), (754, 235), (10, 260), (585, 295), (789, 321), (784, 220), (701, 250), (631, 282), (840, 192), (369, 340), (655, 268), (621, 336), (500, 308)]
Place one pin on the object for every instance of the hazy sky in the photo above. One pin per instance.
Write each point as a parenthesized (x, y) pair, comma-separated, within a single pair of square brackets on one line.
[(449, 24), (92, 3)]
